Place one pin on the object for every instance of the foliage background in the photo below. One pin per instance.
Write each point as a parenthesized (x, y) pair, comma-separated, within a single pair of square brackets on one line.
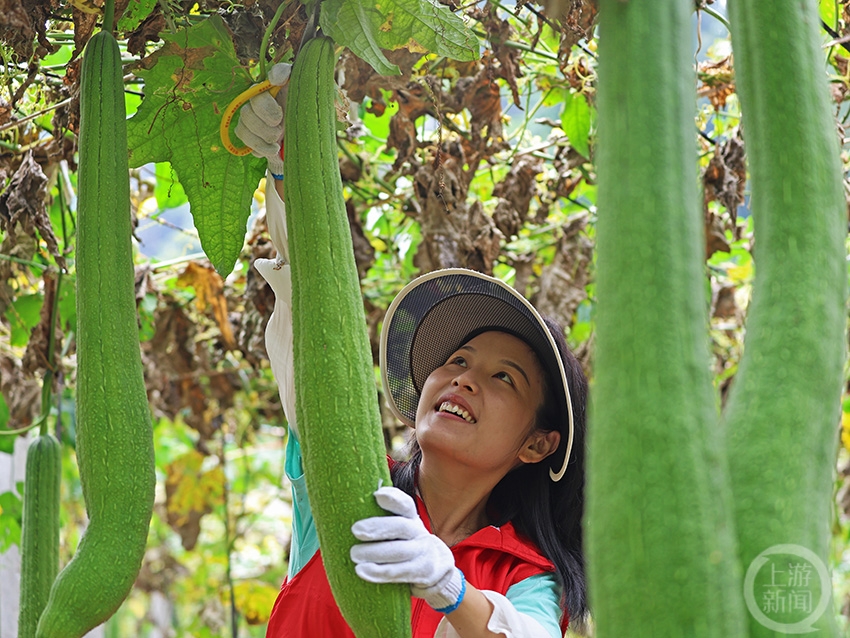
[(482, 163)]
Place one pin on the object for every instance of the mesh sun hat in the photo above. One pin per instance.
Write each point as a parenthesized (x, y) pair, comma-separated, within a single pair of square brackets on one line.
[(437, 313)]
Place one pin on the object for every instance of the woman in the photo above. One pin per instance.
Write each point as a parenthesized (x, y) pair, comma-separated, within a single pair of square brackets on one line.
[(486, 513)]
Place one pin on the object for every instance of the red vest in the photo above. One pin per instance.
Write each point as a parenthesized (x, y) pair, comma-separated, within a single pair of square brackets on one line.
[(492, 558)]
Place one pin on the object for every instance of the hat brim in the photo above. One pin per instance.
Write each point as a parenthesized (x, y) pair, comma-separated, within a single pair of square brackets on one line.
[(437, 313)]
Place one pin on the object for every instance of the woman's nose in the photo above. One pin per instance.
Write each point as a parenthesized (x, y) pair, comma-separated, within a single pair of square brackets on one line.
[(465, 380)]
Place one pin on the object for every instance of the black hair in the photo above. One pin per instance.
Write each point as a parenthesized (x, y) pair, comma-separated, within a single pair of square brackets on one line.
[(546, 512)]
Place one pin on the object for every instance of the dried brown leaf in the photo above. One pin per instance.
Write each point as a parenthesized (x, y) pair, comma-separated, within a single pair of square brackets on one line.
[(364, 252), (22, 206), (35, 357), (84, 24), (147, 31), (360, 80), (190, 494), (22, 393), (454, 233), (22, 24), (209, 287), (725, 306), (503, 61), (723, 180), (258, 297), (562, 284), (515, 193), (717, 81)]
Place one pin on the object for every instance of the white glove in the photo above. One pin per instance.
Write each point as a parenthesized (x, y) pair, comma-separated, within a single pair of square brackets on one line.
[(279, 329), (398, 549), (261, 120)]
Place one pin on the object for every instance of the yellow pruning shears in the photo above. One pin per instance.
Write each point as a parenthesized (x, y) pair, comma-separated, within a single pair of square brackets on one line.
[(261, 87), (235, 105)]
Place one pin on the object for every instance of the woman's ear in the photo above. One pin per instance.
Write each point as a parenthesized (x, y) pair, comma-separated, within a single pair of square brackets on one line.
[(539, 445)]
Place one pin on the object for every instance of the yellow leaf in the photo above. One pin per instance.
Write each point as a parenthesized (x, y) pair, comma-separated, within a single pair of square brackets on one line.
[(86, 6), (740, 274), (190, 491), (254, 600), (209, 291), (845, 430), (414, 47)]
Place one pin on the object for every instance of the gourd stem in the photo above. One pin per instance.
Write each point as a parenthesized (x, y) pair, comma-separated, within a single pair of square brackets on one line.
[(264, 45), (108, 15)]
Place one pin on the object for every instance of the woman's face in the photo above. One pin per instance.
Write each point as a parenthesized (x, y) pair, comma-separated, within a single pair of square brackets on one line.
[(480, 406)]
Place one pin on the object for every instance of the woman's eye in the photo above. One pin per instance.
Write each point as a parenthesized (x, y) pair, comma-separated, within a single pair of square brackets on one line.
[(458, 361), (504, 376)]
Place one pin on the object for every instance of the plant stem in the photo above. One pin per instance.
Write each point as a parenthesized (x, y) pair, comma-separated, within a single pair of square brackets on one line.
[(108, 15), (264, 45), (32, 116), (162, 265), (520, 46), (714, 14), (515, 14), (23, 262), (35, 424)]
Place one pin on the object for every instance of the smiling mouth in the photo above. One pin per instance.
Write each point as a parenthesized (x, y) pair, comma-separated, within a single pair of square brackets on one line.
[(448, 406)]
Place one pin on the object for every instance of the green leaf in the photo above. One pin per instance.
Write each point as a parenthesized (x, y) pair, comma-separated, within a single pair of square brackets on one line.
[(356, 25), (379, 125), (11, 513), (147, 318), (418, 25), (23, 316), (7, 443), (194, 76), (134, 14), (575, 121), (68, 304), (827, 12), (168, 191), (554, 94), (429, 25)]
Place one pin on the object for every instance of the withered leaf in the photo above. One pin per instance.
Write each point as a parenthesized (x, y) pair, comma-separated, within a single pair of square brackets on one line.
[(190, 493), (717, 81), (20, 392), (725, 306), (209, 287), (455, 234), (364, 252), (563, 282), (22, 206), (504, 61), (84, 24), (35, 357), (723, 180), (22, 23), (515, 193), (147, 31)]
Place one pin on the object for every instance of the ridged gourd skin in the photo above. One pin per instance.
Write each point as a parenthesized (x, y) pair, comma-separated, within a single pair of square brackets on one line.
[(336, 398), (114, 432), (40, 531), (784, 406), (661, 550)]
